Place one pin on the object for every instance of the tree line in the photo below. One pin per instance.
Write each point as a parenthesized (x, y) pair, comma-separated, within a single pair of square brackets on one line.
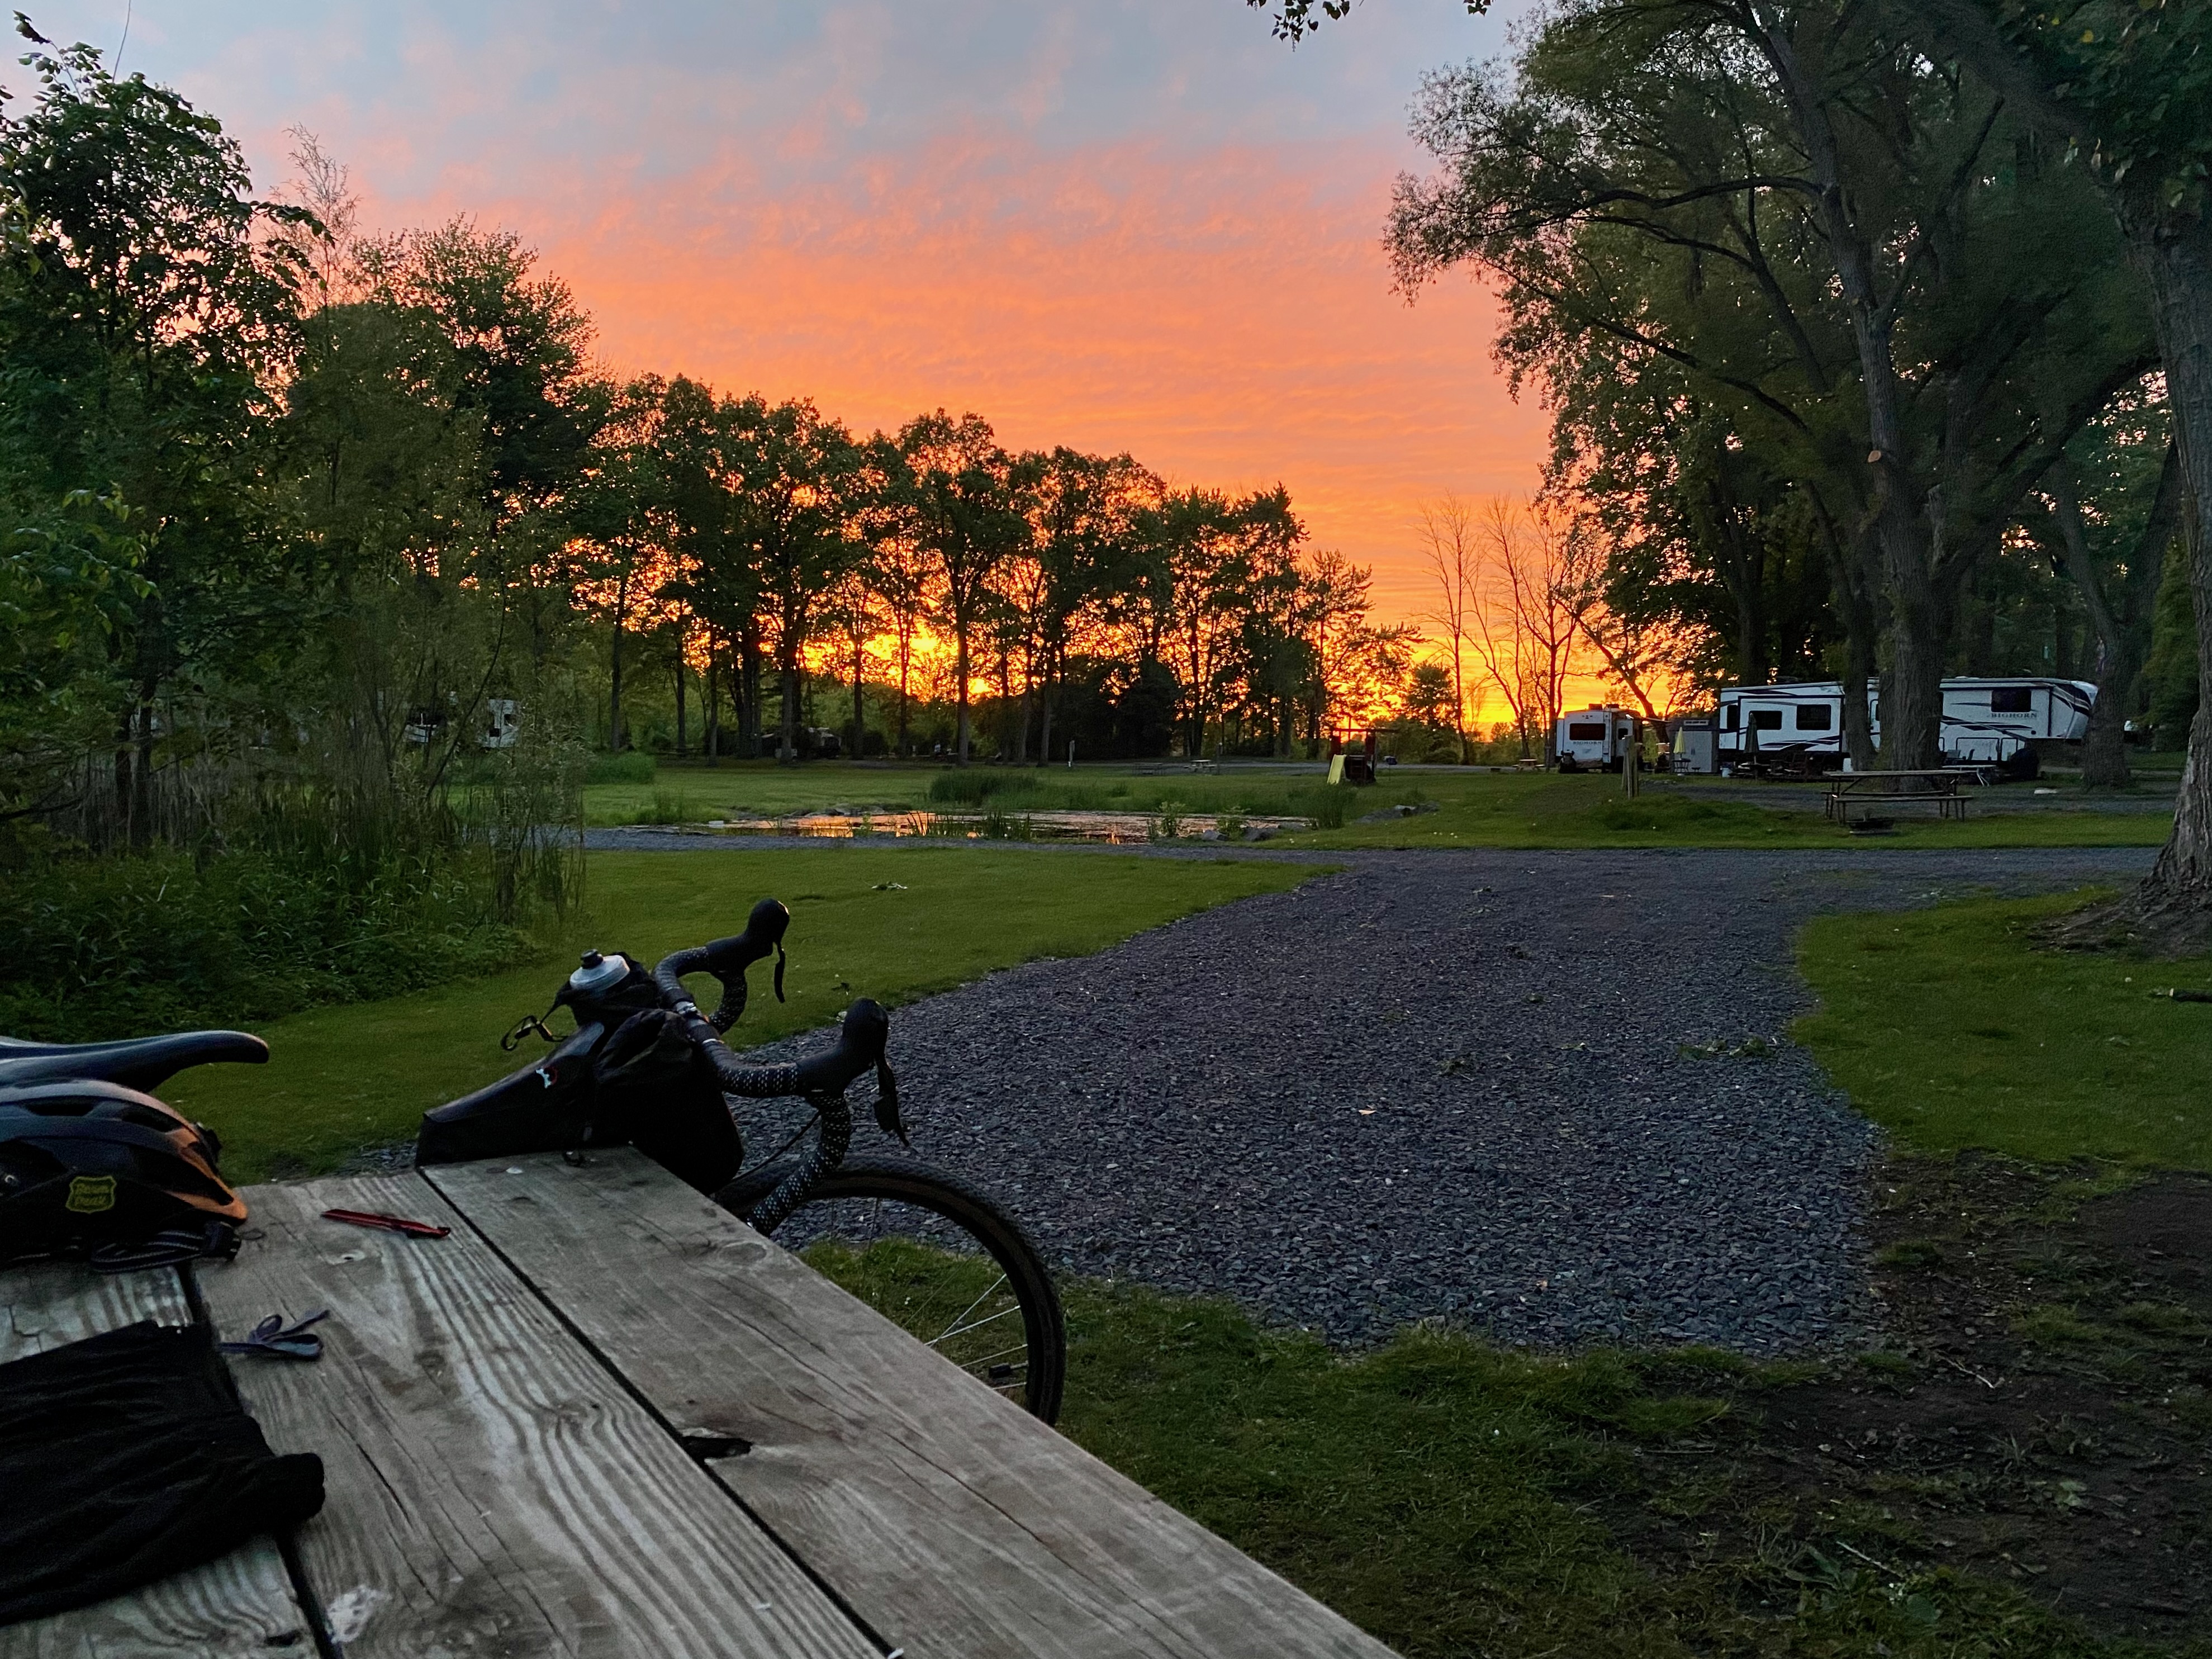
[(750, 541), (1870, 329), (300, 515)]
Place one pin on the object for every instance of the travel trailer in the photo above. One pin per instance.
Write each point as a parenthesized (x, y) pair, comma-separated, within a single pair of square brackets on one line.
[(1593, 740), (2014, 723)]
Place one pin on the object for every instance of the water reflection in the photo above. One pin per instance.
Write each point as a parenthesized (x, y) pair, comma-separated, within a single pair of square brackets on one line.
[(1117, 829)]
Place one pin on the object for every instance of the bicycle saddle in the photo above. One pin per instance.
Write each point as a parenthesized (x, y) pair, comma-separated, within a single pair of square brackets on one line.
[(140, 1063)]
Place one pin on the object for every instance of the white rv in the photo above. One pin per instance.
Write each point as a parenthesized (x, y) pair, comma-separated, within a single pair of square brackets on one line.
[(2009, 722), (1596, 739), (1991, 719)]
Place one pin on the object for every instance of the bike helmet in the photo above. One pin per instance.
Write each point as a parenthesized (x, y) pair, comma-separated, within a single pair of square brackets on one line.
[(100, 1170)]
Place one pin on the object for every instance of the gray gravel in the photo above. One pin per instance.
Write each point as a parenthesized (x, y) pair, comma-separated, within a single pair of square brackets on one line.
[(1448, 1085)]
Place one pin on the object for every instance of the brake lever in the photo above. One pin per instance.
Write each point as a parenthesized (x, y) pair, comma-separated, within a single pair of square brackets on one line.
[(887, 1104)]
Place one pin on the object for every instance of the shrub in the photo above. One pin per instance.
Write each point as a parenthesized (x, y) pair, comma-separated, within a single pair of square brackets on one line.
[(968, 789), (122, 946)]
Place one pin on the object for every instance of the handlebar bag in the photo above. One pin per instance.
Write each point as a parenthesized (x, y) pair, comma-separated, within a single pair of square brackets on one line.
[(657, 1092)]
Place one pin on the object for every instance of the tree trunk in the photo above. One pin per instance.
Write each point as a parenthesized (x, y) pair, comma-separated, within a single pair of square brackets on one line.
[(2171, 910), (614, 691), (906, 673), (960, 690), (860, 697), (2123, 619), (1913, 704), (792, 696), (713, 735), (1858, 675), (749, 653), (680, 677), (2105, 745), (1044, 714)]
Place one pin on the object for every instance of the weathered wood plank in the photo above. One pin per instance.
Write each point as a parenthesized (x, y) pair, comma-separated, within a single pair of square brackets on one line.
[(48, 1303), (951, 1522), (492, 1489), (240, 1607)]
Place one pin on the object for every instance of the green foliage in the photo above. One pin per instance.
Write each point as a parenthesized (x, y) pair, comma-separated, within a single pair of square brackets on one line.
[(1951, 1027), (140, 343), (127, 946), (2136, 74), (68, 576), (2169, 676)]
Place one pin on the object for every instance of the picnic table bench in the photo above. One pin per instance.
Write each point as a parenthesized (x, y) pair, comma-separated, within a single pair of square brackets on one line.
[(605, 1417), (1936, 786)]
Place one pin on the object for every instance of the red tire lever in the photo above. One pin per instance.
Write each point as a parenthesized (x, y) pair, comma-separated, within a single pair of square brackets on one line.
[(389, 1224)]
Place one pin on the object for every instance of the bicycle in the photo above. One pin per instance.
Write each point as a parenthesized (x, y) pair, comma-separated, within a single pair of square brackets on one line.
[(644, 1067)]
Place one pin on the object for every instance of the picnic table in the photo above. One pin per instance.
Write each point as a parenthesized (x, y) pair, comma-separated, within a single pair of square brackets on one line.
[(1935, 785), (604, 1417)]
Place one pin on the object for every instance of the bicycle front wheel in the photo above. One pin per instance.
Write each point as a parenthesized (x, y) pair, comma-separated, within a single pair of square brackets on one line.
[(938, 1259)]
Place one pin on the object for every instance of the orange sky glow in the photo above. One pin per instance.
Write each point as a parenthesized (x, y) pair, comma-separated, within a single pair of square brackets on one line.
[(1235, 345), (1135, 225)]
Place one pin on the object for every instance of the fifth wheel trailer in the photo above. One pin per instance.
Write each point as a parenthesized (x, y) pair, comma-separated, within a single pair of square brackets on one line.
[(2012, 722)]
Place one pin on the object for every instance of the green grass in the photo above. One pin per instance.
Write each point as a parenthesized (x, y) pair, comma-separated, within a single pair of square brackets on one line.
[(754, 788), (343, 1078), (1545, 810), (750, 788), (1948, 1026), (1456, 1498), (1474, 808)]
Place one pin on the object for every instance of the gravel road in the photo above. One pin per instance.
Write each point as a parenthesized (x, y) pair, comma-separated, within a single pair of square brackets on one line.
[(1448, 1084)]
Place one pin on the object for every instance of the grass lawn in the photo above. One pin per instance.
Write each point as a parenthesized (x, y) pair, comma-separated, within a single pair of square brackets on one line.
[(1949, 1027), (1455, 1498), (343, 1078), (1545, 810), (1474, 808)]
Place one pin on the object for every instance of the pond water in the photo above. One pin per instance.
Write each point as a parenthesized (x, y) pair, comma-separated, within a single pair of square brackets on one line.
[(1117, 829)]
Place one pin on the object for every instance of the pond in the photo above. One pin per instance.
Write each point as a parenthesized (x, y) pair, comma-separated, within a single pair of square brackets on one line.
[(1116, 829)]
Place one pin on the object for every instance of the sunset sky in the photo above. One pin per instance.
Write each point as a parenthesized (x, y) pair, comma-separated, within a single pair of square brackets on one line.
[(1125, 224)]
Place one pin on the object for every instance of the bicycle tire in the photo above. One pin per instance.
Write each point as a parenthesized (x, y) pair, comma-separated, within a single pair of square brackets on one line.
[(903, 1180)]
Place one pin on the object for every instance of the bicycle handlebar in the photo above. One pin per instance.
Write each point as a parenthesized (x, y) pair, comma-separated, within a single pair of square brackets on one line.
[(822, 1077), (728, 959), (860, 1040)]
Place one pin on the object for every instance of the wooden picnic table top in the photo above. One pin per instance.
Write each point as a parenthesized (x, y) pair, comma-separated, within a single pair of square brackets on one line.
[(1980, 771), (606, 1417)]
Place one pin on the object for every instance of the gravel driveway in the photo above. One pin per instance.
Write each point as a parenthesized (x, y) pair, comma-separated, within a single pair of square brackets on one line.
[(1448, 1084)]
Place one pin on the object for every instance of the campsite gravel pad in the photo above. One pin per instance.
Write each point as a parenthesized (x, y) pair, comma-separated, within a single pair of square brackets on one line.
[(1453, 1084)]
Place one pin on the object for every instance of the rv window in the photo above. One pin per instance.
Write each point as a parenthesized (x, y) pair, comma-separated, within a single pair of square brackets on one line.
[(1731, 711), (1813, 717), (2012, 700), (1766, 720), (1585, 731)]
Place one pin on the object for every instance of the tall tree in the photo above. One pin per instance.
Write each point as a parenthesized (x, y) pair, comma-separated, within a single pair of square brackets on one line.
[(2127, 88), (2114, 549), (961, 492), (147, 316), (1454, 556), (1935, 308)]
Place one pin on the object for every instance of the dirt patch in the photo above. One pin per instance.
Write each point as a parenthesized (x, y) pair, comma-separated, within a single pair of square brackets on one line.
[(2039, 1414)]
